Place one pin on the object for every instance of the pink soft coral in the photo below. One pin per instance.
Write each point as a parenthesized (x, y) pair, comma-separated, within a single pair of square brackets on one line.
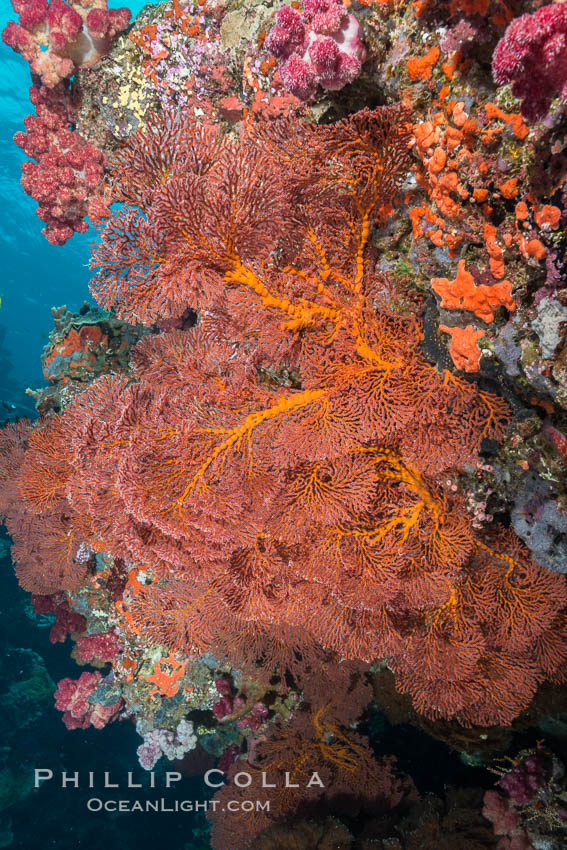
[(67, 169), (533, 56), (66, 622), (324, 48), (73, 697), (97, 648), (57, 38)]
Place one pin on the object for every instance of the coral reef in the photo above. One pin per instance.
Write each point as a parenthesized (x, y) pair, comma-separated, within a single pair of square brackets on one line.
[(348, 779), (311, 443), (399, 503)]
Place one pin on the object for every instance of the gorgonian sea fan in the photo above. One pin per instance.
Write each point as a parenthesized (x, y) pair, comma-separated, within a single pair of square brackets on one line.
[(223, 466)]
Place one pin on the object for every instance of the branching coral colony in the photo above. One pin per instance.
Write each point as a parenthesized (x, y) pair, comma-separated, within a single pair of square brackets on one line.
[(279, 470)]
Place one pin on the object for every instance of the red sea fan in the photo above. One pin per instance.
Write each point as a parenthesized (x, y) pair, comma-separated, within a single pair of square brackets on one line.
[(206, 194), (312, 741), (46, 542), (45, 469), (13, 440), (279, 469), (45, 550), (329, 492)]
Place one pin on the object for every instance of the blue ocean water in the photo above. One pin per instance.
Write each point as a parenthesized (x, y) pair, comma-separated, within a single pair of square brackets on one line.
[(35, 276)]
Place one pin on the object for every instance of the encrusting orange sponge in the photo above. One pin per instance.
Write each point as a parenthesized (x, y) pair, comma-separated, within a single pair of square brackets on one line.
[(463, 294), (463, 347)]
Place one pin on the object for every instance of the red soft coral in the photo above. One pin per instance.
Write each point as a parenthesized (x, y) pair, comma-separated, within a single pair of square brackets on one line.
[(67, 169), (98, 648)]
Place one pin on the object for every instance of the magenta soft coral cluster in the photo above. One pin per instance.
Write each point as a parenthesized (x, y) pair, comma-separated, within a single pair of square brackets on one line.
[(67, 169), (73, 698), (103, 647), (227, 704), (56, 38), (66, 622), (523, 781), (322, 48), (533, 805), (532, 55)]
